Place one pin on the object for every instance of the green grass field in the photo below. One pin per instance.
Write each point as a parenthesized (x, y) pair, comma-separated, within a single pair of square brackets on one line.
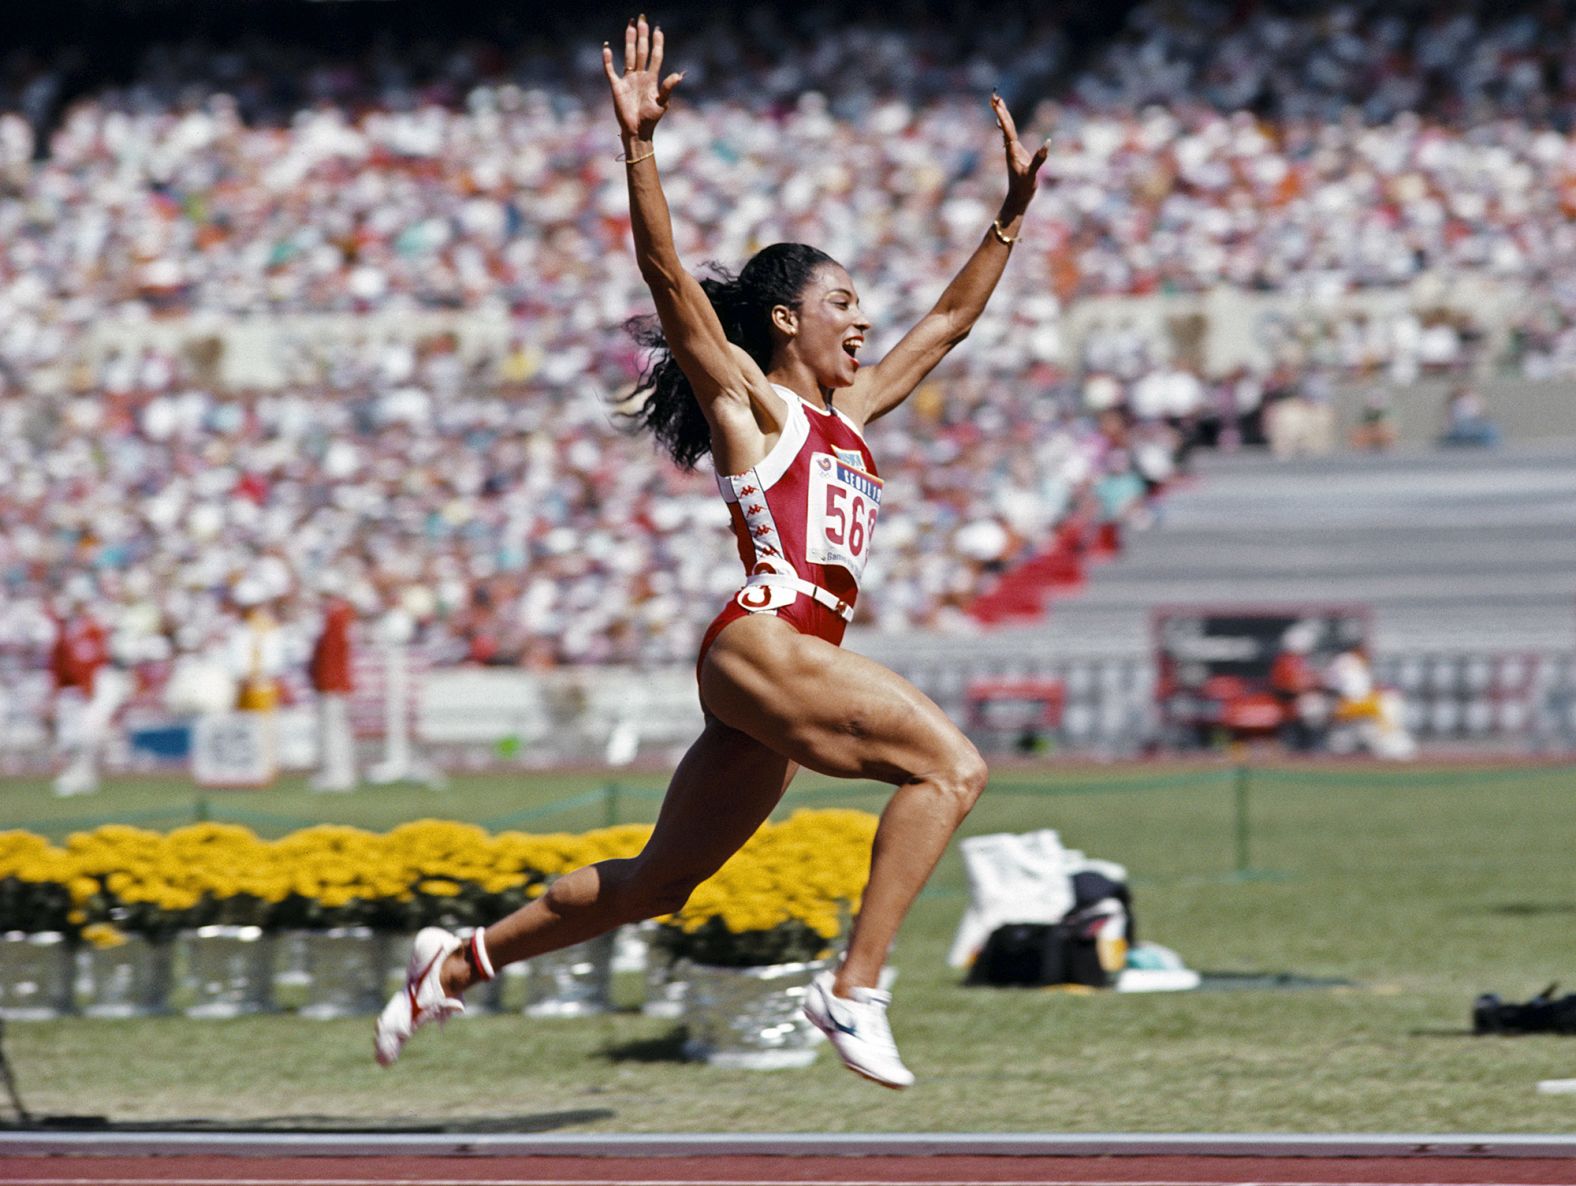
[(1419, 887)]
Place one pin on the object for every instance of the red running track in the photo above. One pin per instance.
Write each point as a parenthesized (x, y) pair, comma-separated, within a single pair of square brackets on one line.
[(947, 1170)]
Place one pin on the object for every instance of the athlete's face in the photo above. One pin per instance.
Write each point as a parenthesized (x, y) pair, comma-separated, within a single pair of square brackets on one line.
[(830, 327)]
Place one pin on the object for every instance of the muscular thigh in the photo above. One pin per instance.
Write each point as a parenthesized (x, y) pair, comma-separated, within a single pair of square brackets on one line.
[(722, 791), (825, 708)]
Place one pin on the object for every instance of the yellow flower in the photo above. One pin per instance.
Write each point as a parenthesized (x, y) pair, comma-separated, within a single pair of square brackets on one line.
[(806, 872), (103, 934)]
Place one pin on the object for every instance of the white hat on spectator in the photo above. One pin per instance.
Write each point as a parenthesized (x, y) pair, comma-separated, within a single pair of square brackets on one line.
[(983, 539), (249, 592), (1101, 392), (1301, 638)]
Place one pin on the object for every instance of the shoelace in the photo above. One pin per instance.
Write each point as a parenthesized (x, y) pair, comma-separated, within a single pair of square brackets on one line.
[(873, 1025)]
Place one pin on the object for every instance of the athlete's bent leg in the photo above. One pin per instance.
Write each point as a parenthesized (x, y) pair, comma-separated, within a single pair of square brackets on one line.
[(842, 714), (915, 828), (723, 790)]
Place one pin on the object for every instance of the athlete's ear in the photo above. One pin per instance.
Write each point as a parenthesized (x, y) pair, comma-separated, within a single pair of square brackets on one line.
[(785, 319)]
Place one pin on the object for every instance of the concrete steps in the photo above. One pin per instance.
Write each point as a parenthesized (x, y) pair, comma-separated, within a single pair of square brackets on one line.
[(1471, 550)]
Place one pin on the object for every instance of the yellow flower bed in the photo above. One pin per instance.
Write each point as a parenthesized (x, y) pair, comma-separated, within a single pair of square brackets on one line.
[(784, 896), (38, 884), (799, 878)]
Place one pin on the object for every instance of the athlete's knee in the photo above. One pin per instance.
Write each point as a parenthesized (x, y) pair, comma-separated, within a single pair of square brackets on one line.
[(593, 887), (963, 777), (653, 890), (617, 890)]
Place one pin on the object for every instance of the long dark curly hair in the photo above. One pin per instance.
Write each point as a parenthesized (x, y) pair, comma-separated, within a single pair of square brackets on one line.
[(775, 275)]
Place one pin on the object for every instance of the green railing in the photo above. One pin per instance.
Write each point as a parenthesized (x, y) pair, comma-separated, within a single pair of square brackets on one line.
[(1230, 821)]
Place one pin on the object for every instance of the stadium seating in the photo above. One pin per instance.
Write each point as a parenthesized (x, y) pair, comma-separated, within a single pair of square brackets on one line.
[(358, 328)]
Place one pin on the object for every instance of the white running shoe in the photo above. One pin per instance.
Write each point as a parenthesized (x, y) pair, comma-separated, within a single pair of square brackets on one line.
[(422, 999), (858, 1030)]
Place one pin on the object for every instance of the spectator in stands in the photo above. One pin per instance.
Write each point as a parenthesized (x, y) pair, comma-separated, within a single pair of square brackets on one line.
[(1366, 716), (89, 690), (1340, 162), (1298, 686), (1467, 421), (256, 648), (330, 670), (1375, 429), (1298, 419), (1120, 489)]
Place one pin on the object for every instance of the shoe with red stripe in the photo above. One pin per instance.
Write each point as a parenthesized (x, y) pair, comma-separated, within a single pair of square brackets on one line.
[(422, 1000)]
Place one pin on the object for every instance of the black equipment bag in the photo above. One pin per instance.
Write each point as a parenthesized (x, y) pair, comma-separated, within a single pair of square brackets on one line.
[(1091, 889), (1065, 952), (1038, 953), (1543, 1014)]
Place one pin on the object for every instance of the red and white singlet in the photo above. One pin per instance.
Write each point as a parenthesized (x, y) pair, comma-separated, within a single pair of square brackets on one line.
[(803, 518)]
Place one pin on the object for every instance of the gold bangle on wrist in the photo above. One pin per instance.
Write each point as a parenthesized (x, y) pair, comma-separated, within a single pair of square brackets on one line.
[(1002, 236), (635, 160)]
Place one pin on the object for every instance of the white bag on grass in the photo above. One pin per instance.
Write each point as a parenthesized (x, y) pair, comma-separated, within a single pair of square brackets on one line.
[(1012, 878)]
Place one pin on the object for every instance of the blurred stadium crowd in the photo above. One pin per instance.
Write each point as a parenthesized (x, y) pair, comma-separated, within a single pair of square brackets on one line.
[(492, 502)]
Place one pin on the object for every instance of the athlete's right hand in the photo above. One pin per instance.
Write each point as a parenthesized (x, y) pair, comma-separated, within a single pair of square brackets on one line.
[(640, 93)]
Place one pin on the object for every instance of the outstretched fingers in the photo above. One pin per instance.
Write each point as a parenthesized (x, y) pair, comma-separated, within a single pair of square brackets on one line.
[(642, 48), (655, 62), (1019, 161), (640, 93), (998, 105), (667, 85)]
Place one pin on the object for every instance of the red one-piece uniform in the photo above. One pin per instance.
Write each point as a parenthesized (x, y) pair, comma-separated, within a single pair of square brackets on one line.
[(803, 517)]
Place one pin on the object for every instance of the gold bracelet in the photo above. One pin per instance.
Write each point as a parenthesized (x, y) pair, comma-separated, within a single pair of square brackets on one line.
[(1002, 236), (634, 160)]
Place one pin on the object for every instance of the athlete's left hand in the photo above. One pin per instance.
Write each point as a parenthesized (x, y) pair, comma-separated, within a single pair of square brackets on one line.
[(1022, 165), (640, 95)]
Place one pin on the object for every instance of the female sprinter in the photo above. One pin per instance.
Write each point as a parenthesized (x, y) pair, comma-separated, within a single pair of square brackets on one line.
[(763, 373)]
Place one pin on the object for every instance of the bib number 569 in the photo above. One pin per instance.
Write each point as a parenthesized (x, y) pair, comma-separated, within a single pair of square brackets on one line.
[(851, 525)]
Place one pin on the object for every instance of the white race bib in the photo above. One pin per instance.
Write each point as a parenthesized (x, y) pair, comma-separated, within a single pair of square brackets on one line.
[(844, 503)]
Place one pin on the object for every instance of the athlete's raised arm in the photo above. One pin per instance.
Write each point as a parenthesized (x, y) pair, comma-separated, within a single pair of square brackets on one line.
[(881, 387), (724, 378)]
